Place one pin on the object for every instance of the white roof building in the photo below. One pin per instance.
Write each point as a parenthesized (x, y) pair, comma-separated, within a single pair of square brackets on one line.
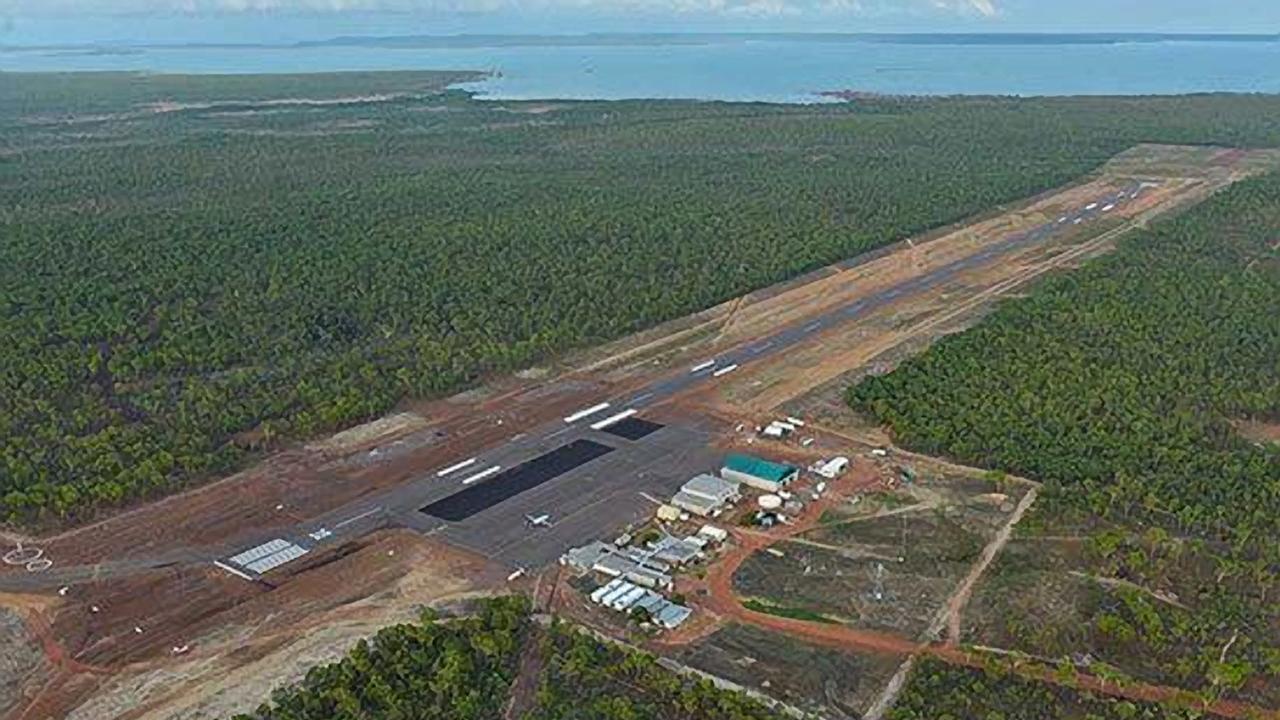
[(696, 504), (712, 488), (706, 495)]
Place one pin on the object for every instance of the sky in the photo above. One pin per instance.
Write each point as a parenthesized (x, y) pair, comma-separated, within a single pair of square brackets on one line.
[(31, 22)]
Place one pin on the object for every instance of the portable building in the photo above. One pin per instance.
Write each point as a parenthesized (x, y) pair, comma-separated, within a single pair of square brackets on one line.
[(672, 616), (668, 513), (599, 593), (649, 578), (611, 597), (624, 601), (833, 467), (711, 532)]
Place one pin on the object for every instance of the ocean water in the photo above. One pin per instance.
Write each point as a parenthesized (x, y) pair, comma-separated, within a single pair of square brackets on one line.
[(770, 69)]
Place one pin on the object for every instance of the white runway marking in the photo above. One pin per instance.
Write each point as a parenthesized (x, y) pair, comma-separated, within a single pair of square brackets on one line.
[(482, 475), (613, 419), (701, 366), (813, 326), (589, 411), (357, 518), (232, 570), (456, 467), (640, 398), (725, 370), (1090, 206)]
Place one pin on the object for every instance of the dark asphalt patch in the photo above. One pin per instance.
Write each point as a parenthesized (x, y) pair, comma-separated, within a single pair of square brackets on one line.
[(633, 428), (521, 478)]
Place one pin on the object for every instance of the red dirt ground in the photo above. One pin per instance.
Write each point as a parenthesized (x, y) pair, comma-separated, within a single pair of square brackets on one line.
[(220, 512), (91, 647)]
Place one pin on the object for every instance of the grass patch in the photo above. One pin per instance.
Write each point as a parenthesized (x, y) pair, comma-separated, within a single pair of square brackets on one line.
[(788, 612)]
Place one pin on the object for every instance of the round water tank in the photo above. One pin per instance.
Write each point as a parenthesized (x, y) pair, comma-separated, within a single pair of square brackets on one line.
[(770, 502)]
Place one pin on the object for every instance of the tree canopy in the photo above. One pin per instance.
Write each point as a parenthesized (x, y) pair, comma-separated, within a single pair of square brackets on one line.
[(186, 288)]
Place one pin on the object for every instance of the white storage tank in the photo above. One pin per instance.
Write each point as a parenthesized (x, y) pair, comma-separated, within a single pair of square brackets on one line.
[(770, 502)]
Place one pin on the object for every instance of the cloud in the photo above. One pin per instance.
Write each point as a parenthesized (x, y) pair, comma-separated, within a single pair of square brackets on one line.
[(728, 8)]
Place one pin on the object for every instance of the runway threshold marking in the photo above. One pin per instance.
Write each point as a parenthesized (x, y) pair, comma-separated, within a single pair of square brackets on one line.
[(725, 370), (583, 413), (482, 475), (357, 518), (456, 467), (614, 419), (232, 570)]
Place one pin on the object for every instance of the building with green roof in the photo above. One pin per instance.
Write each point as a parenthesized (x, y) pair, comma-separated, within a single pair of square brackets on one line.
[(758, 473)]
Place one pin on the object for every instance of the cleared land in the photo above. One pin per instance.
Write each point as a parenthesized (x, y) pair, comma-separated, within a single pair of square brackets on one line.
[(121, 565)]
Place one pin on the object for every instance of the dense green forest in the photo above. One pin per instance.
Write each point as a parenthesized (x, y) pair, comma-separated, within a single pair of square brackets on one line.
[(585, 679), (1117, 384), (452, 670), (183, 289), (937, 691), (35, 99), (464, 668), (1152, 551)]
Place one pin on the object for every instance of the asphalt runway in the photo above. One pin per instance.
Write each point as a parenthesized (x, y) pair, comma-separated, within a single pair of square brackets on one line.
[(633, 428), (594, 502), (519, 479), (599, 498)]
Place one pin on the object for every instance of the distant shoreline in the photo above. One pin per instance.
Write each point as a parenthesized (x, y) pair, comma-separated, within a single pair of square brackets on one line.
[(662, 39)]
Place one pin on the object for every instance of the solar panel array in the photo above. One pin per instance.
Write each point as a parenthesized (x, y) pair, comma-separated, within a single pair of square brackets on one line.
[(269, 555)]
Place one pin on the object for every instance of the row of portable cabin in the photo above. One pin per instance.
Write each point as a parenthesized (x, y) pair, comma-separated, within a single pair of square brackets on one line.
[(622, 596)]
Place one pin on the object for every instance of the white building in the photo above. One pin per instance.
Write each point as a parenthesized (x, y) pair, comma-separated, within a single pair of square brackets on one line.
[(706, 495)]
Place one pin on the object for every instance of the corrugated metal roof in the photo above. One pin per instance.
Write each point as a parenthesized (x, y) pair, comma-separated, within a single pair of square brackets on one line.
[(771, 471), (677, 551), (672, 615), (695, 503), (587, 555), (710, 486)]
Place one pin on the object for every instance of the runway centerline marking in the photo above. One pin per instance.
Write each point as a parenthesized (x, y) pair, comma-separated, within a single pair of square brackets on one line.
[(482, 475), (725, 370), (614, 419), (584, 413), (357, 518), (456, 467), (701, 366)]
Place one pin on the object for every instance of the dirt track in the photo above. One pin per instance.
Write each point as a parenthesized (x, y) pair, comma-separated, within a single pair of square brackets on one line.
[(722, 601)]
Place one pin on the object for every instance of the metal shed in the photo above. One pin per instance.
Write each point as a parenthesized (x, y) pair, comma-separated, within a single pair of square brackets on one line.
[(758, 473)]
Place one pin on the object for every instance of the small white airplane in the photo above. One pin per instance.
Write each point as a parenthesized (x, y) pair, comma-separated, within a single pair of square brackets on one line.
[(532, 521)]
